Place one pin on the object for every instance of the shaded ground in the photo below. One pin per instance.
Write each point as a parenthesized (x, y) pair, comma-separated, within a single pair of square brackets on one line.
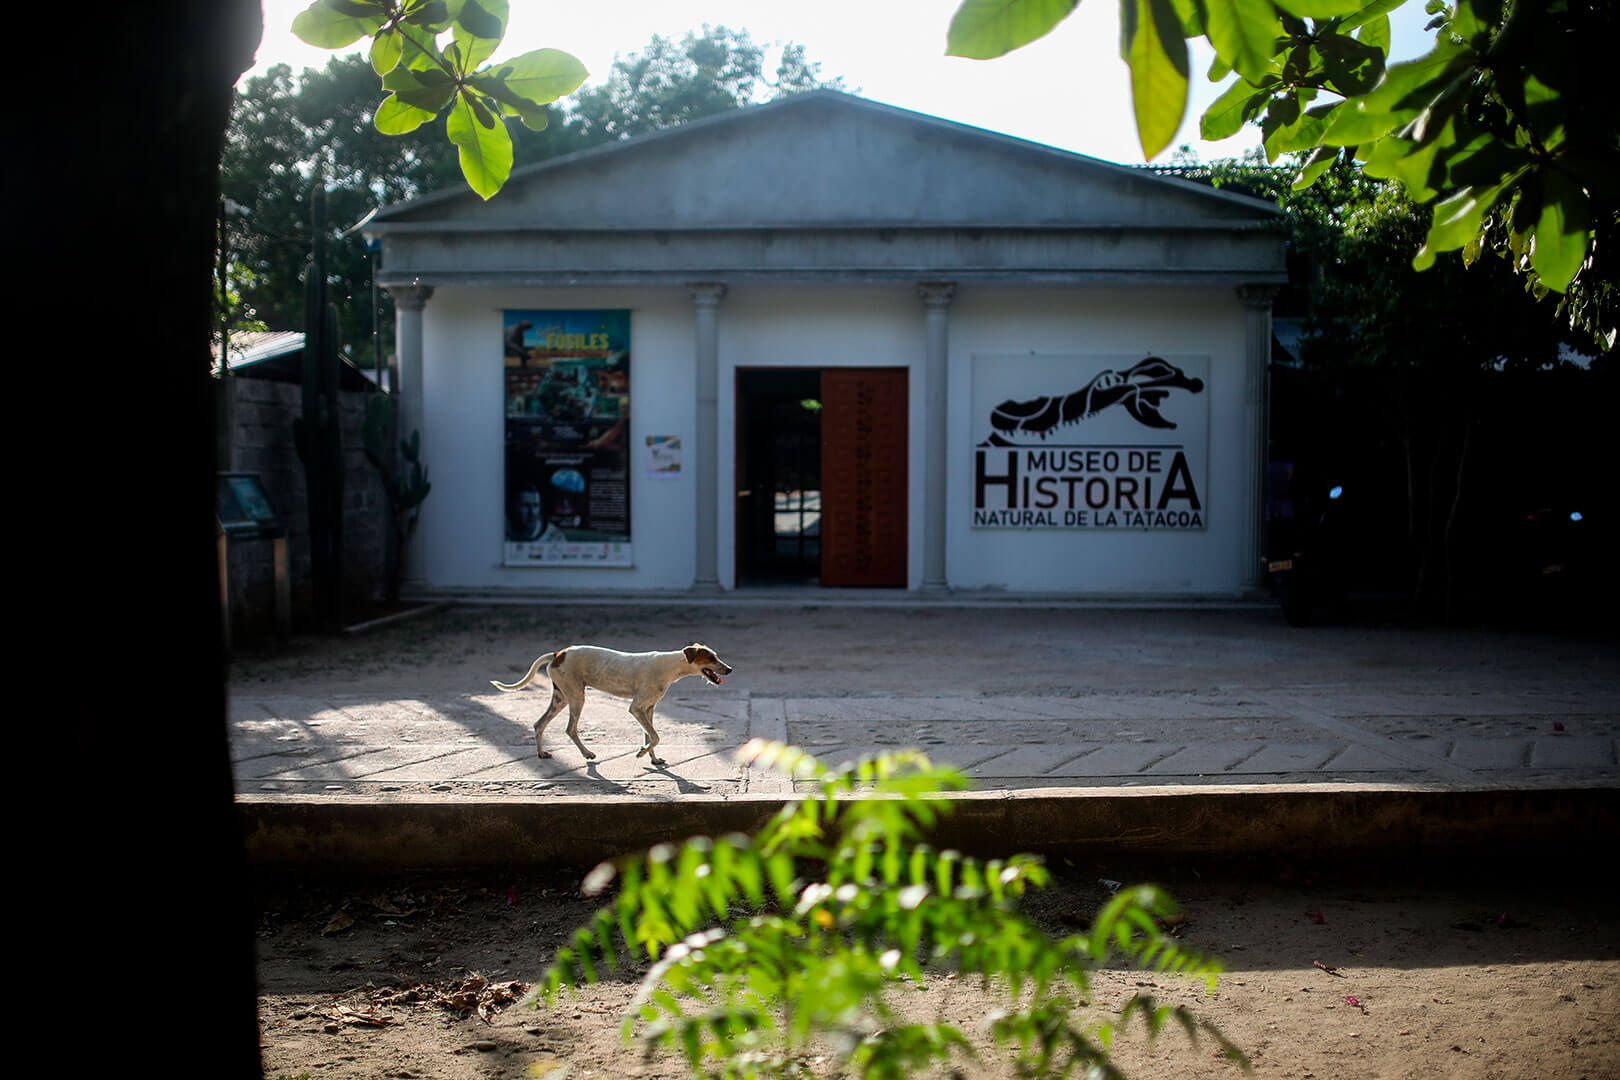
[(809, 652), (1505, 975)]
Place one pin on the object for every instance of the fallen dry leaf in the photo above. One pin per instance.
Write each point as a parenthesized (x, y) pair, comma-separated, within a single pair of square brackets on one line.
[(340, 921), (370, 1018)]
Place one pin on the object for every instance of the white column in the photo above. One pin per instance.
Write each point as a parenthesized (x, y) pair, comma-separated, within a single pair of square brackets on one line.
[(706, 299), (409, 300), (936, 297), (1256, 393)]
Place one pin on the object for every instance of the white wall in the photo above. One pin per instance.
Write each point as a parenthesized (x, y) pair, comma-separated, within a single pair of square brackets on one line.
[(999, 321), (874, 326), (462, 529)]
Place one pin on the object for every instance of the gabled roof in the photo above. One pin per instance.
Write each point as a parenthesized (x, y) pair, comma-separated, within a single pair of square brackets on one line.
[(826, 159), (830, 187)]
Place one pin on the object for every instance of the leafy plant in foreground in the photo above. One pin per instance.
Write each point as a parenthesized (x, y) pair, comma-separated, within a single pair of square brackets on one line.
[(759, 945)]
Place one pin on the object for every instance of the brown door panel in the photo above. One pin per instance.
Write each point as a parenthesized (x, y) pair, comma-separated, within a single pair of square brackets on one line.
[(863, 476)]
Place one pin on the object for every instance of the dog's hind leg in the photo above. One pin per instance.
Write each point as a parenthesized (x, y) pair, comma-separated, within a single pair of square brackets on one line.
[(574, 709), (556, 706), (643, 712)]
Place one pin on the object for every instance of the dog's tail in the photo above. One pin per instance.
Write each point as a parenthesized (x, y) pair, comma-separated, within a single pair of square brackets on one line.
[(540, 664)]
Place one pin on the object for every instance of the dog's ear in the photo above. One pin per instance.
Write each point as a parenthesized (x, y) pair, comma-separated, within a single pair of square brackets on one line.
[(691, 653)]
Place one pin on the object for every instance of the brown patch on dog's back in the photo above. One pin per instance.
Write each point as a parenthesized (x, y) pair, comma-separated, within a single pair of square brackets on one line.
[(557, 657)]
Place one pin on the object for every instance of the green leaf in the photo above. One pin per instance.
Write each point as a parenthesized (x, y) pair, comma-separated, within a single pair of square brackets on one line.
[(1483, 161), (428, 89), (396, 117), (1371, 12), (1404, 92), (537, 77), (1558, 247), (421, 50), (482, 19), (1190, 13), (1320, 9), (1417, 169), (1318, 163), (1374, 33), (1526, 213), (1458, 219), (1243, 33), (1151, 43), (1352, 66), (326, 25), (1305, 133), (386, 49), (431, 15), (986, 29), (479, 27), (1356, 124), (1227, 114), (485, 147)]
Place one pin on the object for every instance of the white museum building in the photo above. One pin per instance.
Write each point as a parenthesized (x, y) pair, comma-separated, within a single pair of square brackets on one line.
[(830, 342)]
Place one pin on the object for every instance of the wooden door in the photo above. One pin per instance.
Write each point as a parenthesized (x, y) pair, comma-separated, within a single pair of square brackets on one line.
[(863, 476)]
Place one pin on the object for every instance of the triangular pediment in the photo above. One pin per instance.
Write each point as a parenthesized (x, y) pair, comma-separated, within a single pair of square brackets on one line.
[(828, 160)]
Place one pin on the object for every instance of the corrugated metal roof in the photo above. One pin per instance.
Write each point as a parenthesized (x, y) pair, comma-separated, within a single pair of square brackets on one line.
[(249, 347)]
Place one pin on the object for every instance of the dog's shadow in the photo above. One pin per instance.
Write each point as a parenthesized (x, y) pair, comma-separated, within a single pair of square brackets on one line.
[(682, 785)]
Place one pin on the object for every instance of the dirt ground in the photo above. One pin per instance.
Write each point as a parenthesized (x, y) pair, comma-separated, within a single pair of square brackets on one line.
[(1470, 977), (1510, 970)]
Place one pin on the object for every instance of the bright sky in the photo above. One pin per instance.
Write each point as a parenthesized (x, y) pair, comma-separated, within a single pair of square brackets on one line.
[(1069, 89)]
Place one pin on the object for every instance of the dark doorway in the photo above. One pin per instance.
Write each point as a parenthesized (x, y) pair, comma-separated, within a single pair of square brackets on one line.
[(778, 476)]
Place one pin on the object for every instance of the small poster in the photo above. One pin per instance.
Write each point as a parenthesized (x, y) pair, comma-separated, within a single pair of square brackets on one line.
[(567, 437), (664, 457)]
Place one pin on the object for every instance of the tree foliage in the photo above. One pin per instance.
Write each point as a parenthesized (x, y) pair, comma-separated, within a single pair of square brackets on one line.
[(426, 75), (1507, 126), (286, 126), (1444, 400), (760, 944), (674, 82)]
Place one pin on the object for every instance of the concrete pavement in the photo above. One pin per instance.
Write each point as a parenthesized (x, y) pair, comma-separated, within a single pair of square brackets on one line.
[(452, 778)]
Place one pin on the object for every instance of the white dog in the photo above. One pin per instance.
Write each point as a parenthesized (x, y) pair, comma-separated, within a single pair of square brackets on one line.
[(641, 677)]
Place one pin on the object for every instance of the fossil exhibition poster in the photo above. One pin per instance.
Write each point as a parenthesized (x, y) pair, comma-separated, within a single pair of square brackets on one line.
[(567, 390), (1090, 442)]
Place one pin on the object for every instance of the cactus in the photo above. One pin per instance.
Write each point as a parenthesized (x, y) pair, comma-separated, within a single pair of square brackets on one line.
[(317, 433), (405, 487)]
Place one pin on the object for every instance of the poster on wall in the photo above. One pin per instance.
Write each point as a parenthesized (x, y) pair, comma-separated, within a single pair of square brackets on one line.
[(664, 457), (1090, 442), (567, 437)]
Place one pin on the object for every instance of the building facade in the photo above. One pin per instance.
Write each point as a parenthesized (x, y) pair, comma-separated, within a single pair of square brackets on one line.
[(830, 341)]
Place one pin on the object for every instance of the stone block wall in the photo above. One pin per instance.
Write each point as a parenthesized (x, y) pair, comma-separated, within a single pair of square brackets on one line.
[(257, 424)]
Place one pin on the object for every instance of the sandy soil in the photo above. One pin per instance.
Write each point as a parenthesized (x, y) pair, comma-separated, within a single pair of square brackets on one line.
[(1463, 977), (1505, 971)]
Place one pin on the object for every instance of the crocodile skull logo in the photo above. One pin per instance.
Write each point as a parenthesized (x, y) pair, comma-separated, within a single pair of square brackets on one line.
[(1140, 389)]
